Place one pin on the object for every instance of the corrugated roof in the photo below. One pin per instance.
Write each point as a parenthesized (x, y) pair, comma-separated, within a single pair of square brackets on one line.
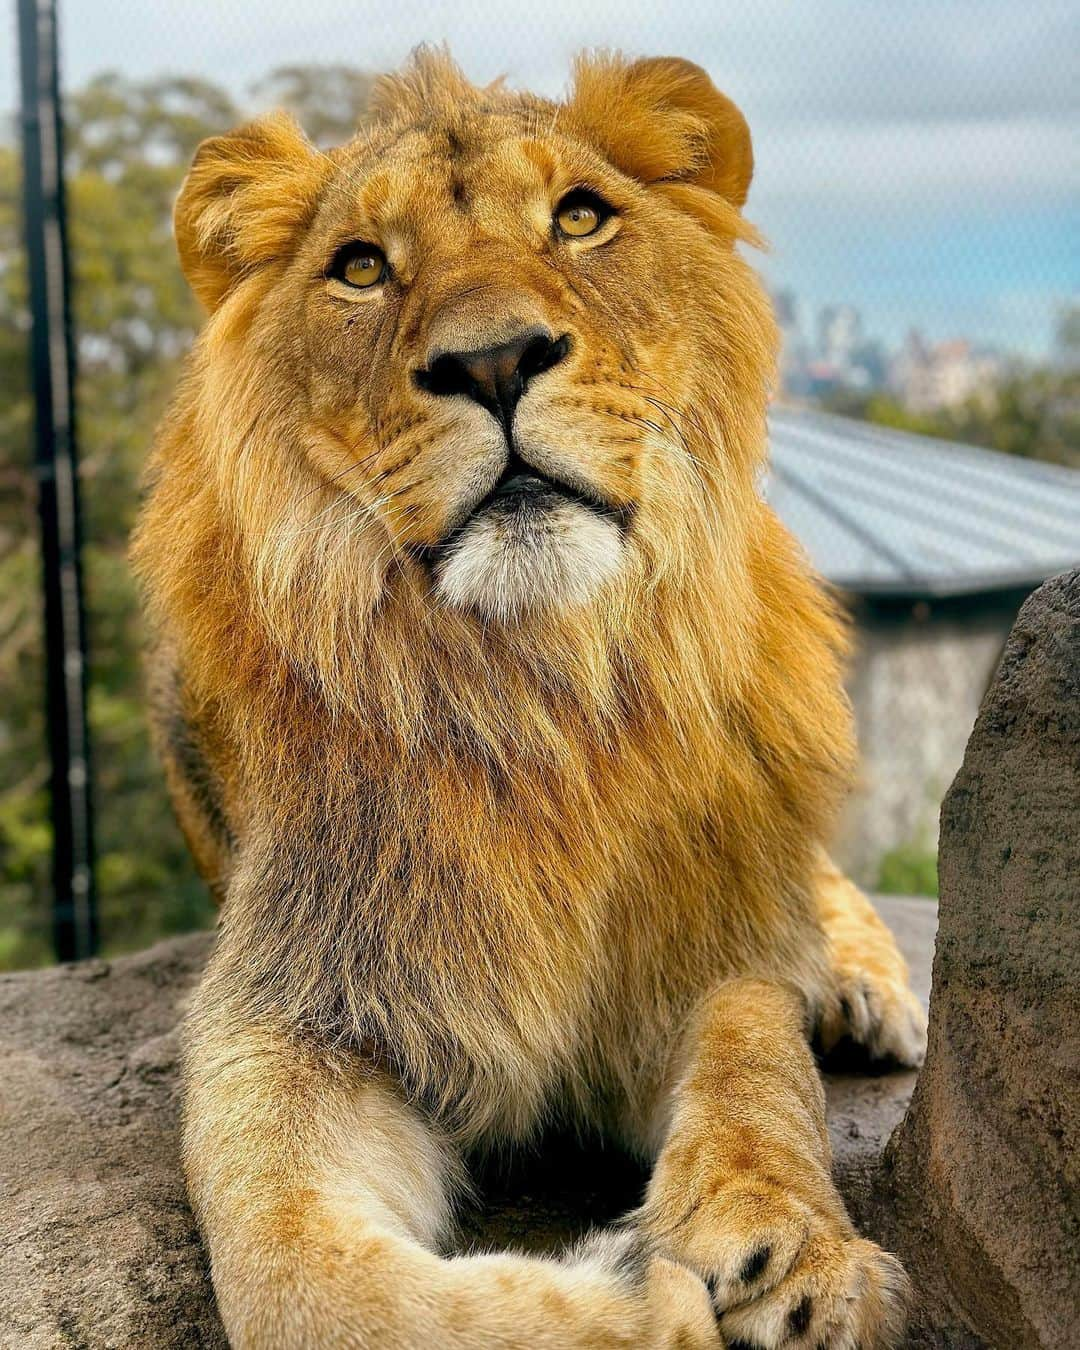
[(883, 512)]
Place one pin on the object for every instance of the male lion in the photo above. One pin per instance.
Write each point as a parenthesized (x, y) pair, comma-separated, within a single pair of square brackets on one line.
[(507, 723)]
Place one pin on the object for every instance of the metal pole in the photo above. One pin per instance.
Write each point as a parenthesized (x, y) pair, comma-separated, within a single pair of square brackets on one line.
[(53, 370)]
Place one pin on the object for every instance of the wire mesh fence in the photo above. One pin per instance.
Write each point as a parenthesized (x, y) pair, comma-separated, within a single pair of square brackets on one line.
[(916, 173)]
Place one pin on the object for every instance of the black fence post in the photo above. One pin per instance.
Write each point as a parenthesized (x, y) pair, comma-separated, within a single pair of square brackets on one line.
[(75, 931)]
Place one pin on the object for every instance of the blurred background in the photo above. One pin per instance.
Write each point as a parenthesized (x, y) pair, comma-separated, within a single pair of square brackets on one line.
[(918, 168)]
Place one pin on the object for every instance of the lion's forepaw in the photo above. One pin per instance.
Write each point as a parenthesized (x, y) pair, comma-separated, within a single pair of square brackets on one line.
[(782, 1272), (682, 1316), (843, 1293), (879, 1012)]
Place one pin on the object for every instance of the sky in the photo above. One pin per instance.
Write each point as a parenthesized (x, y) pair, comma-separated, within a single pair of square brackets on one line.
[(919, 159)]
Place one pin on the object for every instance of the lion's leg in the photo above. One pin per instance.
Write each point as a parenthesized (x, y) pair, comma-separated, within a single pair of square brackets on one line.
[(869, 997), (323, 1197), (742, 1190)]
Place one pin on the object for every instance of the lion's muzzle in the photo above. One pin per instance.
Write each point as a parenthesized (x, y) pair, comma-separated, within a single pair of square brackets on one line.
[(532, 544)]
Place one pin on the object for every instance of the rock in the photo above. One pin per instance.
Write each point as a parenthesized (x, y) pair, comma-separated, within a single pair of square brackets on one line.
[(984, 1175), (97, 1245)]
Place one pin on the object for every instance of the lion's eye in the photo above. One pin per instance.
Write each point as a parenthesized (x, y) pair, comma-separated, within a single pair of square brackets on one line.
[(360, 265), (581, 213)]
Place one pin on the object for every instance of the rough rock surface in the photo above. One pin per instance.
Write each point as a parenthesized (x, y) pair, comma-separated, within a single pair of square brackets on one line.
[(985, 1172), (97, 1245)]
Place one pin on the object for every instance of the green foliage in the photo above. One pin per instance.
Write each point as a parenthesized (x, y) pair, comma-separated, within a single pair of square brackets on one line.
[(128, 146), (910, 869), (1032, 413), (24, 821)]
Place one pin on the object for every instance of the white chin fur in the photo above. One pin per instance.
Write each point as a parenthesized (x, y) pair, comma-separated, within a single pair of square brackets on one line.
[(504, 565)]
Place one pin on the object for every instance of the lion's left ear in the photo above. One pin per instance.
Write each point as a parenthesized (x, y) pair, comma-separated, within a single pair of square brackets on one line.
[(663, 119)]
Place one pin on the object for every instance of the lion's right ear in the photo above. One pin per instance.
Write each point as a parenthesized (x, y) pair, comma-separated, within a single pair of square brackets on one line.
[(245, 200), (662, 120)]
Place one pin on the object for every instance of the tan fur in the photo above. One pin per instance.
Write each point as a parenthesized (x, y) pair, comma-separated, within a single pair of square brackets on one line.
[(546, 841), (869, 997)]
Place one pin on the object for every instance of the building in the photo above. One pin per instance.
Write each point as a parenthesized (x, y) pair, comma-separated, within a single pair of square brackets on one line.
[(794, 355), (934, 546), (928, 377), (839, 335)]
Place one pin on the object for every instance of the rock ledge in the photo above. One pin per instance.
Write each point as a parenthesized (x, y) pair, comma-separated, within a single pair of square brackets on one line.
[(98, 1249)]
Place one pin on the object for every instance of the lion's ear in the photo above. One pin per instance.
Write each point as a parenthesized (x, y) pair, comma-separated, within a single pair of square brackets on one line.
[(664, 119), (244, 201)]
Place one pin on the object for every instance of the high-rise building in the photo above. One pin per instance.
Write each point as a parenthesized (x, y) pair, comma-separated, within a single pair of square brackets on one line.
[(839, 334)]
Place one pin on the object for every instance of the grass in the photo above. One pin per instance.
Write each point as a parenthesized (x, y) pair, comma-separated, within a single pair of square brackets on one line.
[(910, 869)]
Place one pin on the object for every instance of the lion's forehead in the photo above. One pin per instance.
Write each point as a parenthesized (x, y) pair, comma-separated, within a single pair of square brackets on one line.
[(473, 166)]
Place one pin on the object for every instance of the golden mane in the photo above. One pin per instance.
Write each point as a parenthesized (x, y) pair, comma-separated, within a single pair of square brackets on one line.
[(448, 761), (506, 721)]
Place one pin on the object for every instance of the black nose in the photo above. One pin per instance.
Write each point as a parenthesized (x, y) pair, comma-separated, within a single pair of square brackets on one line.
[(495, 377)]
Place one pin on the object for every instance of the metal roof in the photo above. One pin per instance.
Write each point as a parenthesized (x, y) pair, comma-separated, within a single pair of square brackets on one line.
[(883, 512)]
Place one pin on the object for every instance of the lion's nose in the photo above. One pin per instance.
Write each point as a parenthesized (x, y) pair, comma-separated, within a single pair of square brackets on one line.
[(495, 377)]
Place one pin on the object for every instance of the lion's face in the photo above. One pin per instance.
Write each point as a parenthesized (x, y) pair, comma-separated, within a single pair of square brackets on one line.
[(486, 374), (504, 341)]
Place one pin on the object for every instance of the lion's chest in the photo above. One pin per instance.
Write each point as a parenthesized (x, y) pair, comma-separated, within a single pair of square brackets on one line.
[(516, 998)]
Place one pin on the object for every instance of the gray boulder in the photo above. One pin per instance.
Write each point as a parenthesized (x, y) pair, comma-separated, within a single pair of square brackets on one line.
[(983, 1179)]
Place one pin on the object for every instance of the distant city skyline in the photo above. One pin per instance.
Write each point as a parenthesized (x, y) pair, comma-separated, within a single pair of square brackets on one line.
[(832, 351), (921, 162)]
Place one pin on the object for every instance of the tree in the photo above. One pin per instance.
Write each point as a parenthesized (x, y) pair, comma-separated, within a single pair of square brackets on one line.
[(24, 827), (329, 101), (128, 146)]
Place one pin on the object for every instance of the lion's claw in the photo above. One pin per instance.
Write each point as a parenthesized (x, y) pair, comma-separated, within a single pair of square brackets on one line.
[(880, 1013)]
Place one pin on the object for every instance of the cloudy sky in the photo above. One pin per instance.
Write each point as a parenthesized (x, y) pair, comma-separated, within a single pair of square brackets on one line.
[(919, 158)]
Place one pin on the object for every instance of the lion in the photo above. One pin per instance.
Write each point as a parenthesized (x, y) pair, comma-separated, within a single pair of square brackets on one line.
[(506, 722)]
